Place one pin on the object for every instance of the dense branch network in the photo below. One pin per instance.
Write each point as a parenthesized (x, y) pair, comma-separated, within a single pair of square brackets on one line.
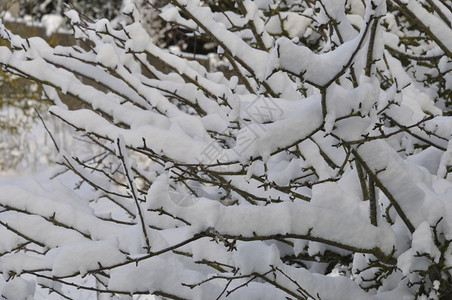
[(263, 180)]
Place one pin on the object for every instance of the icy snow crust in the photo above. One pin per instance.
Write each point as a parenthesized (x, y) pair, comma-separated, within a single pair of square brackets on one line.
[(204, 185)]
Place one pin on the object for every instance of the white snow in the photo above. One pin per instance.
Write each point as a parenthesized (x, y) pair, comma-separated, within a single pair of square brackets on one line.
[(52, 23), (201, 184)]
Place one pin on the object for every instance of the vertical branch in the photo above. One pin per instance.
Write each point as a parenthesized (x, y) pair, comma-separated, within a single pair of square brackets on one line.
[(47, 129), (382, 187), (368, 191), (362, 180), (324, 108), (133, 190), (369, 63), (373, 202), (370, 49)]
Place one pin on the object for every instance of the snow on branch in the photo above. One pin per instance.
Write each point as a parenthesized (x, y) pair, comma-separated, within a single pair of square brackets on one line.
[(315, 165)]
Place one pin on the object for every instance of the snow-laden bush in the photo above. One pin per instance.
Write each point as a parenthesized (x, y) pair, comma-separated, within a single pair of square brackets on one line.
[(319, 170)]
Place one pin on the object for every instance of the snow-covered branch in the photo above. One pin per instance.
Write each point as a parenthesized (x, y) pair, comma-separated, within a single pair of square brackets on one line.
[(317, 167)]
